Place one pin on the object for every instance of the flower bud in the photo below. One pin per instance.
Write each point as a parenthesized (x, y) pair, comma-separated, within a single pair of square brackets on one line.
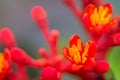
[(7, 37), (20, 56), (39, 16), (101, 67)]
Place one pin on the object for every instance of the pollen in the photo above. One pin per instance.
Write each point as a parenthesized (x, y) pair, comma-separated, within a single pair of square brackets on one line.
[(100, 16), (75, 54), (85, 53), (2, 61)]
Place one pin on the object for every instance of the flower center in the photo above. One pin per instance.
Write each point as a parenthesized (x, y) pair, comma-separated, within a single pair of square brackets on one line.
[(76, 53), (2, 60), (100, 16)]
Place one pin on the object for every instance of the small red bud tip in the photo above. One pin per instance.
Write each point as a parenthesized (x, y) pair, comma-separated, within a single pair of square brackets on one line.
[(20, 56), (7, 37), (54, 36), (39, 16), (55, 33), (42, 52), (101, 67), (38, 13), (49, 73)]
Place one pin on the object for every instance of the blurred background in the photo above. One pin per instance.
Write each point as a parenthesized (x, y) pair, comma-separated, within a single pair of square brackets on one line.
[(16, 15)]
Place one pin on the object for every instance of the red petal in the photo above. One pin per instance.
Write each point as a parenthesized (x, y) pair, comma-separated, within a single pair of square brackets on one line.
[(65, 52), (113, 21), (87, 21), (110, 9), (88, 64), (75, 67), (7, 54), (73, 40), (90, 9), (92, 48)]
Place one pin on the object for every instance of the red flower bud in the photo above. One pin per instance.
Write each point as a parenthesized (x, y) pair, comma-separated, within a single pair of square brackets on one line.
[(101, 67), (39, 16), (7, 37), (20, 56)]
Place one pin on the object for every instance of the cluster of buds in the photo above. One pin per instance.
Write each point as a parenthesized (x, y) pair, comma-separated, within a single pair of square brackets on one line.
[(87, 62)]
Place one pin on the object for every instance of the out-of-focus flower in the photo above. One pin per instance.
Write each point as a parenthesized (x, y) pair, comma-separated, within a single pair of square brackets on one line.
[(81, 56), (5, 63), (98, 19)]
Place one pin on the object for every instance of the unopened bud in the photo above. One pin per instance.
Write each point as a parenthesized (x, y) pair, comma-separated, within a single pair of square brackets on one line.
[(7, 37), (20, 56), (39, 16), (101, 67)]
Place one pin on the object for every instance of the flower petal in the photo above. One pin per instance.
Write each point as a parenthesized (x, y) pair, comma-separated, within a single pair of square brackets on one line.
[(90, 9), (73, 40), (110, 9), (91, 48)]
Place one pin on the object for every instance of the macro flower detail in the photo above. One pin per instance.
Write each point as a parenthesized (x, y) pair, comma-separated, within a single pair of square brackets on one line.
[(5, 63), (98, 19), (82, 56), (2, 60)]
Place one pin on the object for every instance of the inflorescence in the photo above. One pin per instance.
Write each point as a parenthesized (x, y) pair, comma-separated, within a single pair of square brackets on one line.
[(86, 61)]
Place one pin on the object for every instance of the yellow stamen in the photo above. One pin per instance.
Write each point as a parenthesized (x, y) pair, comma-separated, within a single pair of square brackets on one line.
[(85, 53), (75, 54), (77, 57), (100, 16), (79, 44), (92, 17), (2, 61), (107, 19)]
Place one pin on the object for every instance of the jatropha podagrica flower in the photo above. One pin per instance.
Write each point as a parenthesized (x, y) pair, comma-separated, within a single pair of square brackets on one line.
[(82, 56), (98, 19), (5, 63)]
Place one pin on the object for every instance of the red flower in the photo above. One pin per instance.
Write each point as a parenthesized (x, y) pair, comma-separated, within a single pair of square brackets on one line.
[(81, 56), (98, 19), (5, 63)]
